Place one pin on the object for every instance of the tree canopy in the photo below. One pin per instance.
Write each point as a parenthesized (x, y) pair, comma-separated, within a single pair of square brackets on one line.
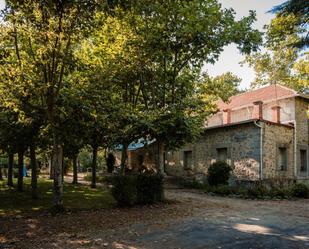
[(108, 74)]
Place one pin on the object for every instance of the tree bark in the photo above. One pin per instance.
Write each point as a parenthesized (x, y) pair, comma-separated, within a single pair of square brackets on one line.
[(20, 170), (94, 166), (75, 176), (10, 169), (124, 156), (160, 163), (63, 168), (57, 174), (1, 176), (34, 181)]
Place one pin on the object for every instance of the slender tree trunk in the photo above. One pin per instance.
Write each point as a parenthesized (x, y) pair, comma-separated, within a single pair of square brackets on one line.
[(57, 174), (124, 156), (20, 170), (75, 176), (51, 172), (10, 169), (160, 163), (1, 176), (63, 168), (34, 181), (94, 166)]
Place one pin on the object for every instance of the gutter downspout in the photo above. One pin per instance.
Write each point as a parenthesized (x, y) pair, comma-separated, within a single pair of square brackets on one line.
[(261, 149), (295, 150)]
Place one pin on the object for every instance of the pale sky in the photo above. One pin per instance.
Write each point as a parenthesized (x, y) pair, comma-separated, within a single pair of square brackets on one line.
[(230, 57)]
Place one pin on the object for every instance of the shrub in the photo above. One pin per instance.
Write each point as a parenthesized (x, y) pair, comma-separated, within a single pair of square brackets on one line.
[(124, 190), (281, 192), (219, 173), (137, 189), (190, 183), (221, 190), (300, 190), (257, 191), (149, 188)]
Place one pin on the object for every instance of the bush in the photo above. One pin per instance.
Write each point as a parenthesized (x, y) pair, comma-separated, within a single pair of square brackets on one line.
[(124, 190), (137, 189), (149, 188), (219, 173), (300, 190), (281, 192), (190, 183), (221, 190), (257, 191)]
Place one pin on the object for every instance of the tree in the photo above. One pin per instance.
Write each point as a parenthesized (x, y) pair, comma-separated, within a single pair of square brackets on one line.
[(178, 37), (298, 10), (281, 63), (153, 53), (43, 33)]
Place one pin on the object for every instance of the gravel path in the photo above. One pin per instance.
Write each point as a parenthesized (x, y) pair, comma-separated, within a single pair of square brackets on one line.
[(190, 220)]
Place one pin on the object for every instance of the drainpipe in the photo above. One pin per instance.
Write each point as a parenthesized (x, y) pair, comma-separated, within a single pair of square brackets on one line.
[(295, 150), (261, 149)]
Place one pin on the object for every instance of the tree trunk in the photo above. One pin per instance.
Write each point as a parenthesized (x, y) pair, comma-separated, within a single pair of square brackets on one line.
[(34, 181), (1, 176), (160, 163), (63, 168), (94, 166), (57, 174), (51, 172), (10, 169), (124, 156), (20, 170), (75, 177)]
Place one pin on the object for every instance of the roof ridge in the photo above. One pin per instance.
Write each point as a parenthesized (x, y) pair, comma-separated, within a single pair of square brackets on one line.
[(263, 87)]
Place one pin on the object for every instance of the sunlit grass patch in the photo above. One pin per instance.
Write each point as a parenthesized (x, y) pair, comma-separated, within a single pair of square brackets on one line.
[(75, 197)]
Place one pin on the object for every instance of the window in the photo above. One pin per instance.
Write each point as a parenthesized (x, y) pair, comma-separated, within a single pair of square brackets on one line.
[(187, 160), (303, 160), (282, 158), (222, 154)]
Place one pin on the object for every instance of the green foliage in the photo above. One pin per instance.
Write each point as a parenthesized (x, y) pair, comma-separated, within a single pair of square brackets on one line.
[(137, 189), (149, 188), (257, 191), (300, 190), (190, 183), (124, 190), (219, 173), (222, 190), (261, 190), (299, 9), (283, 62)]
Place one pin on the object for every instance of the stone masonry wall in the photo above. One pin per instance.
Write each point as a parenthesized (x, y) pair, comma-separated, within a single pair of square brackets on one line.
[(302, 131), (275, 136), (243, 148)]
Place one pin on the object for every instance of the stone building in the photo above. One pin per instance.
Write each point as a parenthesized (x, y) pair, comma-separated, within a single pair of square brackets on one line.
[(262, 134)]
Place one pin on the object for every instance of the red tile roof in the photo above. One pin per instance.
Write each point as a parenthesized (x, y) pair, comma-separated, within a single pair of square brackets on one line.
[(268, 93)]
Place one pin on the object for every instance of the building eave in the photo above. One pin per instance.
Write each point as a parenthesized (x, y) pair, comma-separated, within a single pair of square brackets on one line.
[(247, 122)]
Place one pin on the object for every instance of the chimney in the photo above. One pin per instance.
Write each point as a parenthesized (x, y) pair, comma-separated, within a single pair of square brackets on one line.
[(276, 113), (227, 116), (258, 110)]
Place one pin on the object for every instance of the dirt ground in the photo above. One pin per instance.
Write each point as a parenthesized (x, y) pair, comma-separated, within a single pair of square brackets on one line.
[(190, 219)]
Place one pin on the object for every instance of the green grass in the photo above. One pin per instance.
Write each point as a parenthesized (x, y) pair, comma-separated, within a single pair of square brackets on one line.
[(76, 197)]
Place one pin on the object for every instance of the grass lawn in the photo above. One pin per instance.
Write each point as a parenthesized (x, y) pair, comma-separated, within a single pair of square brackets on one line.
[(76, 197)]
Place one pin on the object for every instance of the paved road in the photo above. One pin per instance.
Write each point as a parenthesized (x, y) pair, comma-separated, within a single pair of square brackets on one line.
[(231, 224)]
